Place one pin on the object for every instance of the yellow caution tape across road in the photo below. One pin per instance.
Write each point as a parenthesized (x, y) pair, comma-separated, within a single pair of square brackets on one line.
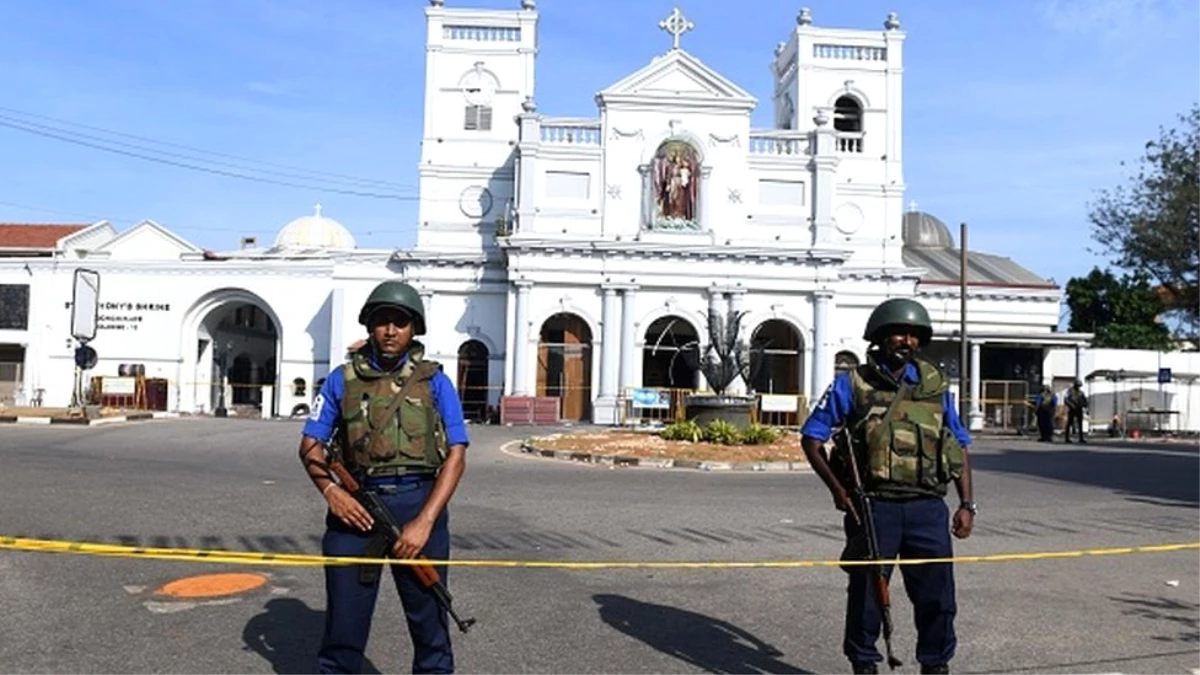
[(298, 559)]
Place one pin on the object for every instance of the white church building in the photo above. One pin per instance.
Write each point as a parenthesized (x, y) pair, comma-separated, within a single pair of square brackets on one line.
[(568, 258)]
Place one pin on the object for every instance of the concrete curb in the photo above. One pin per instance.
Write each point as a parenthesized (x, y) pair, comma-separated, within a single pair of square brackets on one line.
[(84, 422), (654, 463)]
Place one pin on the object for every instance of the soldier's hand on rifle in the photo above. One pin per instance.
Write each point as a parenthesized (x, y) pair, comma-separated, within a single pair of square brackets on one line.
[(843, 502), (964, 522), (348, 510), (413, 537)]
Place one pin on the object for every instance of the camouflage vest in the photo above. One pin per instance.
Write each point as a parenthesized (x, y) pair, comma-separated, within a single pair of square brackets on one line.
[(389, 420), (913, 453), (1075, 399)]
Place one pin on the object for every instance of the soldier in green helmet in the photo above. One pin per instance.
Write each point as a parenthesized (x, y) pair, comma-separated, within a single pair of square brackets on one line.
[(908, 444), (397, 420)]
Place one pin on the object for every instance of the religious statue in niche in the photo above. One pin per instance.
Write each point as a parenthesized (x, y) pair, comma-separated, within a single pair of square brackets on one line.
[(676, 181)]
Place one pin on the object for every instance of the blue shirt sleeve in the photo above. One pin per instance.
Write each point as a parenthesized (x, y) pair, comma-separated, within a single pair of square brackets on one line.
[(831, 411), (445, 398), (326, 409), (953, 422)]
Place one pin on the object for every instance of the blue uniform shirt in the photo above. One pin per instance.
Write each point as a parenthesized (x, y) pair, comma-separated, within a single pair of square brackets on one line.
[(1041, 398), (837, 403), (327, 407)]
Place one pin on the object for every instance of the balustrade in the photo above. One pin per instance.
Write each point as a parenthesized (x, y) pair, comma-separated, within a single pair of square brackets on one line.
[(849, 52), (570, 133), (779, 143), (482, 33)]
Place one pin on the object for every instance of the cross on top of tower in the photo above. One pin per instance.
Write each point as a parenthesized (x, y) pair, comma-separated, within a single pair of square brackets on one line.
[(676, 25)]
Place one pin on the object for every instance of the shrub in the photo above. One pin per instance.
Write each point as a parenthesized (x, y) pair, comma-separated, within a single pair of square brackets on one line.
[(687, 430), (760, 434), (720, 431)]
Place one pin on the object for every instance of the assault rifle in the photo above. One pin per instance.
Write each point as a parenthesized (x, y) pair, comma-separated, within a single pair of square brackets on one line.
[(862, 504), (387, 533)]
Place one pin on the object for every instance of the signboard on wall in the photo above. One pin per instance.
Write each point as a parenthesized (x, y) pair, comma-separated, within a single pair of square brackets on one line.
[(652, 398), (783, 403), (85, 304)]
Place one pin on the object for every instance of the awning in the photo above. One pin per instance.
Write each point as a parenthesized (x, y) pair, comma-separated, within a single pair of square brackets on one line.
[(1024, 339), (1126, 375)]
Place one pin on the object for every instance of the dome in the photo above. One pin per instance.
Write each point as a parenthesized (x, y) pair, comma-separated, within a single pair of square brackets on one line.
[(315, 231), (922, 230)]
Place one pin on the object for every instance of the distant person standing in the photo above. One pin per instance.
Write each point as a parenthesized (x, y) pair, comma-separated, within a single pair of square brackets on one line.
[(1044, 406), (1077, 402)]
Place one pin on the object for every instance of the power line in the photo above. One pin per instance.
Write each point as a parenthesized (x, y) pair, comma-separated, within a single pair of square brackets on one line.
[(75, 134), (198, 228), (193, 167), (340, 177)]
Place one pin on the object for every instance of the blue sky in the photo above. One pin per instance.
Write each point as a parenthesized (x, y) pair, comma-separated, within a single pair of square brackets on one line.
[(1016, 113)]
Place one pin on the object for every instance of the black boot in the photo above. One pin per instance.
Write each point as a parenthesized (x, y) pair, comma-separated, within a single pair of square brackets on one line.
[(940, 669), (865, 668)]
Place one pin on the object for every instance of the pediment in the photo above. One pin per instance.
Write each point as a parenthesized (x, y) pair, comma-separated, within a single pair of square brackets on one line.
[(147, 241), (678, 75)]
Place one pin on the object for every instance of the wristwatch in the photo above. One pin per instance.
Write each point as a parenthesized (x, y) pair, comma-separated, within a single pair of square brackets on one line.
[(970, 506)]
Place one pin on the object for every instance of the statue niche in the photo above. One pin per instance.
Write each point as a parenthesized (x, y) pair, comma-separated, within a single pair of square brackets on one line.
[(676, 180)]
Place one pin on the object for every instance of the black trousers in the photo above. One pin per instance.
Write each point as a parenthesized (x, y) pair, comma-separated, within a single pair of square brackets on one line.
[(1074, 423), (1045, 422)]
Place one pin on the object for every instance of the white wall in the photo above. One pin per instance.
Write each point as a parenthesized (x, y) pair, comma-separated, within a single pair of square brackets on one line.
[(1107, 397)]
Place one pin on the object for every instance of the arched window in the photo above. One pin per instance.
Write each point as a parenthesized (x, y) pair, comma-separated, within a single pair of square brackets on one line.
[(847, 114), (848, 121)]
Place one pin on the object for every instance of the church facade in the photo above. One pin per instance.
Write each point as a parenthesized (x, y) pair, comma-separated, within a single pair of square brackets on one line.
[(575, 257)]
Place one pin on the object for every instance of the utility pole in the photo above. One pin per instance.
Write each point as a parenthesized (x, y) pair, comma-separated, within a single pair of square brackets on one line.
[(964, 407)]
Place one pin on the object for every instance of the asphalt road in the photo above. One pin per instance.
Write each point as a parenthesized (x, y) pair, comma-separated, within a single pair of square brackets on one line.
[(237, 484)]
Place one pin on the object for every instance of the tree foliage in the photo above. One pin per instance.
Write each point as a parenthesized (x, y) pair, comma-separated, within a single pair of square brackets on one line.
[(1123, 313), (1152, 225)]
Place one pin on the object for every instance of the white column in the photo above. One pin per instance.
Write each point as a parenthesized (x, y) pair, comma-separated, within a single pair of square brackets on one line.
[(975, 418), (337, 325), (822, 361), (628, 353), (824, 163), (427, 300), (520, 348), (610, 360), (610, 357), (1079, 363), (528, 147)]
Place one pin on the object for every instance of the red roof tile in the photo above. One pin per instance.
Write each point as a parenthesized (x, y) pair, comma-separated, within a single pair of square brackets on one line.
[(28, 235)]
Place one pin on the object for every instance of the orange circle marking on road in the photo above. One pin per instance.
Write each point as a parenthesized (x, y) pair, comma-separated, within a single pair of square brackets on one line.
[(212, 585)]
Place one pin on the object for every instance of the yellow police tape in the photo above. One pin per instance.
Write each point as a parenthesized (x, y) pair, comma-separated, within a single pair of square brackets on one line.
[(299, 559)]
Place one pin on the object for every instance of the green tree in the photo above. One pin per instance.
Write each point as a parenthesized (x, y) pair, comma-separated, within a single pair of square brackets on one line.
[(1123, 313), (1152, 225)]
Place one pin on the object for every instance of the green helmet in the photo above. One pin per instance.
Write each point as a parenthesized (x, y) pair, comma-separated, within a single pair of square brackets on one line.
[(900, 312), (396, 294)]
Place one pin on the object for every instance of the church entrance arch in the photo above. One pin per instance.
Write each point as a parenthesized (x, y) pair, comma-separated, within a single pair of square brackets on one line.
[(565, 364), (231, 349), (777, 358), (670, 358), (473, 379)]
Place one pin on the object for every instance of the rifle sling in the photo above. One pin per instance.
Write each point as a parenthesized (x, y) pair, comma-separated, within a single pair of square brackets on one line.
[(390, 411), (888, 416)]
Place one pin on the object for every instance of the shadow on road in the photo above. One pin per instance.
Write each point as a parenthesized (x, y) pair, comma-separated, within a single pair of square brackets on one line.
[(1180, 619), (1084, 663), (287, 635), (1144, 474), (709, 644)]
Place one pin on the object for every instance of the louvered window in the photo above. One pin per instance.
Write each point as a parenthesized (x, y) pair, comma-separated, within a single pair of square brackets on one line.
[(478, 118)]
